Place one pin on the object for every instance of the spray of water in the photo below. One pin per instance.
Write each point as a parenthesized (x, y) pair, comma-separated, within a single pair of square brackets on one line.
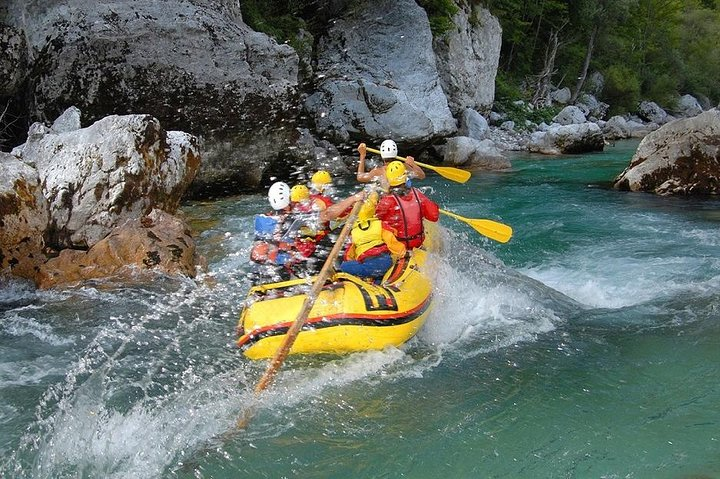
[(159, 380)]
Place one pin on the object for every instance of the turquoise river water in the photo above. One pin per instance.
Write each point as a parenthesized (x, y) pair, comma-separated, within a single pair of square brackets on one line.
[(586, 347)]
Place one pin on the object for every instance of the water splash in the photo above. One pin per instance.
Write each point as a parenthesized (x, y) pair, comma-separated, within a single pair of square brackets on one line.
[(482, 305)]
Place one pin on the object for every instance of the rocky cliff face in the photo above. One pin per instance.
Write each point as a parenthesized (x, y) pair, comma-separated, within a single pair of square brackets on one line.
[(379, 77), (192, 65), (467, 59), (197, 67)]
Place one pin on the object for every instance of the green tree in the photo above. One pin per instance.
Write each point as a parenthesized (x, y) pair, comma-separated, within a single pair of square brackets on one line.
[(528, 28), (698, 50), (622, 89), (440, 13), (592, 19)]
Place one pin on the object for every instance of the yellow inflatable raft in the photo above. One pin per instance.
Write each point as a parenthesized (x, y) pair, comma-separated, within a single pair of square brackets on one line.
[(349, 314)]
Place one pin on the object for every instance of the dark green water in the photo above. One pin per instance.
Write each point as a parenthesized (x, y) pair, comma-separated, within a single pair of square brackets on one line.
[(586, 347)]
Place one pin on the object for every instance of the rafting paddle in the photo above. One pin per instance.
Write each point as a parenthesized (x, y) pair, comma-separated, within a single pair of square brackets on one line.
[(454, 174), (307, 305), (492, 229)]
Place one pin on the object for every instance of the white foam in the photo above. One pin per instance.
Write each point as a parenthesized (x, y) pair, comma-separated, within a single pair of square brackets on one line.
[(476, 296), (616, 281), (23, 373), (15, 325)]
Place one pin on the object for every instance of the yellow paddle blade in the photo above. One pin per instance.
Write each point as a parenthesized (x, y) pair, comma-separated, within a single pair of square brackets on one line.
[(455, 174), (492, 229), (449, 172)]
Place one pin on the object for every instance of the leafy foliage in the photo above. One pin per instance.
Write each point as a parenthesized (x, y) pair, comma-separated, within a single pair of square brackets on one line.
[(278, 18), (522, 113), (698, 50), (440, 13), (622, 89), (646, 49)]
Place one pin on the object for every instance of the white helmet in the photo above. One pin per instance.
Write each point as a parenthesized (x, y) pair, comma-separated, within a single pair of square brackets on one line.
[(279, 195), (388, 149)]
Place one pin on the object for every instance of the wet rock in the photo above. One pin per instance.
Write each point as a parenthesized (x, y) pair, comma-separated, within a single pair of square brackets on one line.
[(465, 151), (143, 247), (119, 168), (377, 77), (563, 139), (618, 127), (680, 158), (23, 218)]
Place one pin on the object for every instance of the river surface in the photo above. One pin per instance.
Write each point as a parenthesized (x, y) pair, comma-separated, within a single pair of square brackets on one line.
[(586, 347)]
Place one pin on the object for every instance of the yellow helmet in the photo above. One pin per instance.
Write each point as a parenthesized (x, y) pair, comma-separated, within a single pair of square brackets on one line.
[(367, 210), (299, 193), (321, 177), (396, 173)]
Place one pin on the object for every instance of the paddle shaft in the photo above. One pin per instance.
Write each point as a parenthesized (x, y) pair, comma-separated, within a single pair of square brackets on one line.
[(309, 302), (454, 174), (401, 158)]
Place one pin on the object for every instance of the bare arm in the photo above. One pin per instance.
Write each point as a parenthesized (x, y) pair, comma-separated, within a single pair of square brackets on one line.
[(417, 172), (363, 176), (332, 212)]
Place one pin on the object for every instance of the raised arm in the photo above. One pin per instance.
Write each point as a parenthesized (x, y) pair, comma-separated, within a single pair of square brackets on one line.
[(417, 172), (363, 176)]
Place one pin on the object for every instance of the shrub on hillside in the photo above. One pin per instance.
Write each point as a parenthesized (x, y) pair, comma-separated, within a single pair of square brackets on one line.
[(621, 90)]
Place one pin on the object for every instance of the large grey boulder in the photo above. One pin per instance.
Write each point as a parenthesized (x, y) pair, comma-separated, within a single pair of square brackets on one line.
[(680, 158), (97, 201), (179, 60), (570, 115), (465, 151), (467, 58), (378, 77), (562, 139), (592, 107), (192, 64), (561, 96), (473, 124), (652, 112), (119, 168), (23, 218), (618, 127), (688, 106)]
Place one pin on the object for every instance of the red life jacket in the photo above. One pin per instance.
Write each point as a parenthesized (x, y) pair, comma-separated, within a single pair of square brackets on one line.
[(409, 220), (326, 225), (325, 199)]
